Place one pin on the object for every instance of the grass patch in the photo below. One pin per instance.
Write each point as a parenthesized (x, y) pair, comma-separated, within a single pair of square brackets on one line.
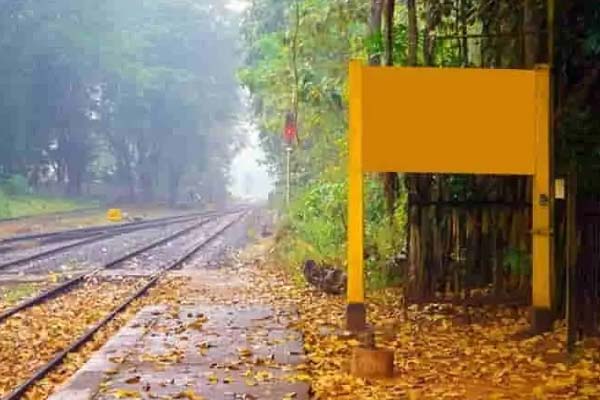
[(12, 295), (26, 205)]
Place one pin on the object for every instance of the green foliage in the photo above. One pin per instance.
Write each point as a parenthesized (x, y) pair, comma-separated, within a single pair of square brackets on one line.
[(4, 205), (517, 262), (12, 295), (318, 217), (384, 236), (18, 206), (15, 185), (374, 44), (128, 92), (330, 33), (315, 227)]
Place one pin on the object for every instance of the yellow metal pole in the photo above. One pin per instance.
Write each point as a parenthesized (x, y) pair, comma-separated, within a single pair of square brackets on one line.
[(356, 311), (551, 27), (542, 281)]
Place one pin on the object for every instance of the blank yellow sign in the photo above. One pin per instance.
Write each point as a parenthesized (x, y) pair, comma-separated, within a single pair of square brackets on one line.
[(429, 120), (433, 120)]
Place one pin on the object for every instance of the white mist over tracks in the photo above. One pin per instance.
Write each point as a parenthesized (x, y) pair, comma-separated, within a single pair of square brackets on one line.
[(249, 176)]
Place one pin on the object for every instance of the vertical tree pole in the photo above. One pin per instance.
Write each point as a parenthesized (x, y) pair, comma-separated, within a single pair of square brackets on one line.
[(292, 124), (542, 316), (290, 133), (356, 310), (288, 183)]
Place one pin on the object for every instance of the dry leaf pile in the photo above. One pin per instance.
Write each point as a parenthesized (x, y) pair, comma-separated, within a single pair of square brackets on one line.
[(30, 340), (32, 337), (441, 352)]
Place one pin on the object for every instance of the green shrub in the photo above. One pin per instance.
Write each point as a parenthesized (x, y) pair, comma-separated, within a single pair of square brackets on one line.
[(517, 262), (15, 185), (315, 228), (4, 205)]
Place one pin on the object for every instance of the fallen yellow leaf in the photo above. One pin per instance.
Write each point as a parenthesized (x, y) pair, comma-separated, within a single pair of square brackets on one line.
[(188, 394), (127, 394)]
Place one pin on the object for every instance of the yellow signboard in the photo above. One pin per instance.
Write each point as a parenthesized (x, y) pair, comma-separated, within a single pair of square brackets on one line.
[(442, 120), (460, 120)]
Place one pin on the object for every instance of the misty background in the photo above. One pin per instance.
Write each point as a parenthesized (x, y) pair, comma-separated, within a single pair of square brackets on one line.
[(249, 176), (131, 101)]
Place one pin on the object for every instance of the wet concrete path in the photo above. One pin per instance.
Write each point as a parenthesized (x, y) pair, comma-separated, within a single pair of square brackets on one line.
[(228, 349)]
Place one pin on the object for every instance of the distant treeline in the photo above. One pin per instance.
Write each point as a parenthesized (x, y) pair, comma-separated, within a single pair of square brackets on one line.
[(134, 94)]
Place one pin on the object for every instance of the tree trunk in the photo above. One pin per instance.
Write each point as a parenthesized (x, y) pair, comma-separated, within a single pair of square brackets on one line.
[(571, 258), (147, 186), (464, 44), (74, 156), (75, 181), (414, 211), (375, 28), (174, 179), (428, 40), (390, 6), (413, 32), (391, 183), (530, 28)]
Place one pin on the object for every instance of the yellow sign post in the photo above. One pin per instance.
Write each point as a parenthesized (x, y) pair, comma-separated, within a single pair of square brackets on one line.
[(462, 120)]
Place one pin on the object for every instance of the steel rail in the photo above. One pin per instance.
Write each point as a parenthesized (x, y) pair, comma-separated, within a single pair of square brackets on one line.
[(95, 229), (94, 238), (85, 337), (49, 294), (88, 232)]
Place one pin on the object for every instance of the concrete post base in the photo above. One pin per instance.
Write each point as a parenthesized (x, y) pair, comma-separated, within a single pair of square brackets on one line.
[(541, 320), (372, 363), (356, 317)]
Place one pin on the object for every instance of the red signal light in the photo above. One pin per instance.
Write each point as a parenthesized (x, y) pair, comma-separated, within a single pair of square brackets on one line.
[(290, 131)]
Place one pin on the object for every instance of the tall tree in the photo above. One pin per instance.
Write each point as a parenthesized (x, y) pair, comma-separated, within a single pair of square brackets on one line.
[(119, 92), (413, 32)]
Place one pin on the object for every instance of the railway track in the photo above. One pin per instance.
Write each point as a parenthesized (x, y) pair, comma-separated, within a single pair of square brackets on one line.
[(145, 285), (62, 287), (75, 233), (90, 235)]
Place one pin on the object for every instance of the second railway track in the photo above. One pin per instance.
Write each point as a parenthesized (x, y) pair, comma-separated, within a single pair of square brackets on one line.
[(70, 283), (140, 285), (85, 231), (85, 236)]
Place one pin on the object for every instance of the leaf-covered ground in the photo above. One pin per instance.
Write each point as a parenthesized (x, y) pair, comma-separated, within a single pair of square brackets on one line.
[(33, 337), (440, 353)]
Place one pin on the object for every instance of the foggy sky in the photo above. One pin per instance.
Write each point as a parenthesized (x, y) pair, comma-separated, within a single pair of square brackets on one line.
[(249, 179)]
